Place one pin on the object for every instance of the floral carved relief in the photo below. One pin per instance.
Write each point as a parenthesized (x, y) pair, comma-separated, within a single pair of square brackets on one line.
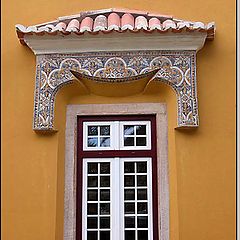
[(176, 68)]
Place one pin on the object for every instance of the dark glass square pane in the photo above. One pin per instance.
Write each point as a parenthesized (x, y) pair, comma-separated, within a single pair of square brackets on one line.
[(104, 195), (142, 167), (129, 208), (92, 208), (92, 235), (92, 168), (129, 222), (141, 130), (104, 208), (105, 181), (104, 141), (105, 130), (92, 195), (129, 167), (128, 141), (141, 180), (142, 222), (129, 181), (141, 141), (104, 222), (92, 130), (92, 181), (92, 142), (129, 194), (92, 223), (104, 168), (129, 130), (104, 235), (142, 235), (130, 235), (142, 208), (142, 194)]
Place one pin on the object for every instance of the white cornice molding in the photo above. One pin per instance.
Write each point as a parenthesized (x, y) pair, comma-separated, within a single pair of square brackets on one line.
[(51, 44)]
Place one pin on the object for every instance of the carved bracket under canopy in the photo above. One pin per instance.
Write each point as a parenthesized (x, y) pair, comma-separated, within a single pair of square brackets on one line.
[(116, 49), (175, 68)]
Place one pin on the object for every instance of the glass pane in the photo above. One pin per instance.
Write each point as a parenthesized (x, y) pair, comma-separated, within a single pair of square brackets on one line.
[(92, 223), (142, 222), (129, 222), (104, 195), (129, 181), (129, 130), (92, 168), (129, 208), (142, 180), (141, 141), (105, 130), (104, 222), (130, 235), (92, 130), (128, 141), (104, 208), (142, 194), (92, 235), (142, 208), (142, 235), (129, 194), (92, 195), (104, 235), (92, 181), (92, 208), (104, 168), (129, 167), (141, 130), (104, 141), (92, 142), (142, 167), (105, 181)]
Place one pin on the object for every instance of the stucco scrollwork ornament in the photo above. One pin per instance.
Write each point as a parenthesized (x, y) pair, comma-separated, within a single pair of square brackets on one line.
[(175, 68)]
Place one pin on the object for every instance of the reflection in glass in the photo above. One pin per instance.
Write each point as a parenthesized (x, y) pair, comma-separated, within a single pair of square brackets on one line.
[(92, 168), (92, 195), (141, 141), (92, 181), (129, 167), (142, 194), (92, 142), (104, 168), (92, 130), (104, 208), (141, 130), (129, 208), (128, 129), (129, 222), (142, 180), (92, 208), (129, 194), (142, 222), (104, 195), (142, 208), (105, 130), (129, 181), (104, 141), (92, 223), (141, 167), (128, 141), (92, 235), (105, 181), (104, 222)]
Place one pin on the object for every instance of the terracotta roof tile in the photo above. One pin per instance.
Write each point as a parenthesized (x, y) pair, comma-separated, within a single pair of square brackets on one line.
[(115, 19)]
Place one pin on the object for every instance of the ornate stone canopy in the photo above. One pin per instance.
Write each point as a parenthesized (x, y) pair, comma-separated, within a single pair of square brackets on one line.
[(115, 49)]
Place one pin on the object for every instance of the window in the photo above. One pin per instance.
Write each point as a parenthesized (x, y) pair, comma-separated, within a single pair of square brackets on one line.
[(116, 175)]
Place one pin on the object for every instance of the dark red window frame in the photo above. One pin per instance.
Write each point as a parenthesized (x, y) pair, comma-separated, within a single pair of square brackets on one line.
[(115, 153)]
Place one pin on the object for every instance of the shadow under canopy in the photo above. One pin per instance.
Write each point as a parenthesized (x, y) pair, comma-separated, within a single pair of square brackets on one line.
[(115, 87)]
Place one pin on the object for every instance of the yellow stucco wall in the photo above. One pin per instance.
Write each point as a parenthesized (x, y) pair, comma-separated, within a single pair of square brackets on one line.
[(201, 161)]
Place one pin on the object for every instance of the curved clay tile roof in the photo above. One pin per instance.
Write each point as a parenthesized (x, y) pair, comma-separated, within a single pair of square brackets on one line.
[(118, 20)]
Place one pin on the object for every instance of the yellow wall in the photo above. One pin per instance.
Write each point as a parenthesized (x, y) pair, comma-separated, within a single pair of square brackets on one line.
[(201, 161)]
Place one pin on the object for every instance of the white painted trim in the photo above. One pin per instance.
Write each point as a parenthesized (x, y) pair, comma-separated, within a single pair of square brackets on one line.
[(48, 44), (70, 158)]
